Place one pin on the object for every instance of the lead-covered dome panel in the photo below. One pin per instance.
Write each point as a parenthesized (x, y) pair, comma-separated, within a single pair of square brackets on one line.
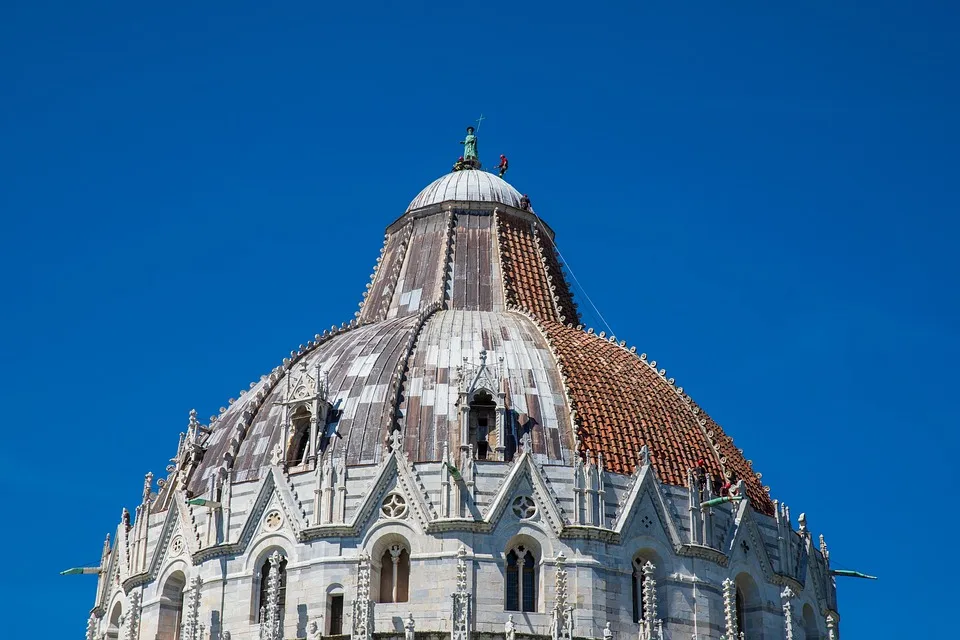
[(460, 351), (469, 185)]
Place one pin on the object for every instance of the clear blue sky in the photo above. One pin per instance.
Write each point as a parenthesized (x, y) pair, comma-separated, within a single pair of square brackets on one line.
[(763, 196)]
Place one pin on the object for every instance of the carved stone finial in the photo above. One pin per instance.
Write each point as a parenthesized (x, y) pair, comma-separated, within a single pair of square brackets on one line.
[(526, 442), (831, 626), (395, 440), (802, 522), (645, 455), (276, 454)]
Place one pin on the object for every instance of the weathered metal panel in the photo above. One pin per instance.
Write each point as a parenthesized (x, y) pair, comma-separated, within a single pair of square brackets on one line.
[(419, 281)]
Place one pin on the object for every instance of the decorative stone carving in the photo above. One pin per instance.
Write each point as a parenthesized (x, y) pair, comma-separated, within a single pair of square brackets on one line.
[(313, 630), (394, 506), (273, 520), (787, 595), (510, 628), (362, 608), (192, 629), (561, 626), (131, 628), (91, 627), (524, 507), (607, 633), (831, 626), (729, 609), (461, 600), (651, 627), (270, 614)]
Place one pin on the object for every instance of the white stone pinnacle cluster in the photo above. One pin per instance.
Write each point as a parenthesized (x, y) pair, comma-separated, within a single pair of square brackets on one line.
[(562, 623), (270, 615), (460, 629), (362, 610), (192, 629), (729, 609)]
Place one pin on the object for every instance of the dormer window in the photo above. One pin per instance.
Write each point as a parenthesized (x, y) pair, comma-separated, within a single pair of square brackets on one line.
[(300, 422), (483, 421)]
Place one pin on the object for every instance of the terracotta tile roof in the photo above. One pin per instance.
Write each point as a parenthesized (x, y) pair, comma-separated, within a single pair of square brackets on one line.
[(622, 403), (532, 277)]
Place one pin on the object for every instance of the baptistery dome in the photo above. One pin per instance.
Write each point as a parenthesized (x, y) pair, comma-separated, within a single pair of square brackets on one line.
[(462, 430)]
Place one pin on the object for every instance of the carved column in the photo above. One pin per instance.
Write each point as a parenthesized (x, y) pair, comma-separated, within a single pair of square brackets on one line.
[(787, 595), (578, 489), (601, 492), (341, 470), (395, 551), (192, 629), (730, 608), (362, 611), (461, 600)]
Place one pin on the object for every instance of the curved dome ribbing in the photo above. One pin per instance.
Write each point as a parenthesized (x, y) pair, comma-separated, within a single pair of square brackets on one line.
[(467, 186), (449, 285)]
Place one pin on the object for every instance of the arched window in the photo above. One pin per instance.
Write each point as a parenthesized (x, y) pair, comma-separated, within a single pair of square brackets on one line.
[(748, 607), (265, 584), (741, 618), (113, 629), (483, 422), (810, 630), (394, 574), (171, 607), (300, 423), (521, 579)]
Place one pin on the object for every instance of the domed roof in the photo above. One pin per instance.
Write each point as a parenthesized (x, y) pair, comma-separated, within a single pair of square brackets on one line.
[(471, 185)]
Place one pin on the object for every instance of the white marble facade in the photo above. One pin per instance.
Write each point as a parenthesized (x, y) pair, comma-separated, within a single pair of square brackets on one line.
[(220, 549)]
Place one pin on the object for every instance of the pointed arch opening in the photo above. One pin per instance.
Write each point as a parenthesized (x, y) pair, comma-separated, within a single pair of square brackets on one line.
[(483, 423), (810, 629), (749, 608), (522, 576), (171, 607), (300, 438), (113, 628)]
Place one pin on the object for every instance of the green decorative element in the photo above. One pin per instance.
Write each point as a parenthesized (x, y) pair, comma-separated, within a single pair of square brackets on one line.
[(846, 573), (77, 571), (469, 146), (203, 502), (454, 472), (716, 501)]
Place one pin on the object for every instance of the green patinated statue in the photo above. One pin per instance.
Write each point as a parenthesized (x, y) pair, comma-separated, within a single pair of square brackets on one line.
[(469, 146)]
